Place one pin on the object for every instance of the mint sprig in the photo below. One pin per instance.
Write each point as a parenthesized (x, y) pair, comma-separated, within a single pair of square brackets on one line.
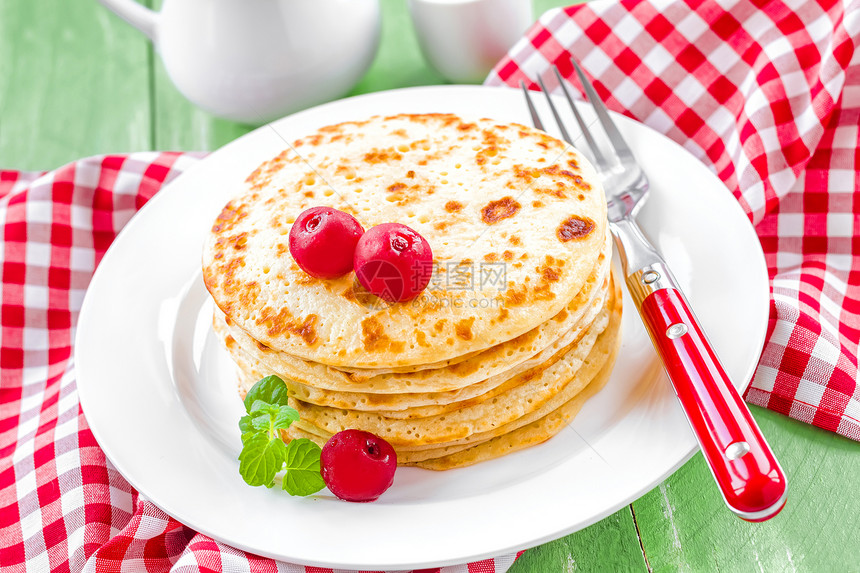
[(303, 468), (264, 454)]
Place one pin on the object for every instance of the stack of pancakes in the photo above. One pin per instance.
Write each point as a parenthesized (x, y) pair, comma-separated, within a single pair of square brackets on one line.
[(518, 327)]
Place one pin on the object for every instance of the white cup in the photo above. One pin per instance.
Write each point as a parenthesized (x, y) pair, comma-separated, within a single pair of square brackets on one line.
[(464, 39)]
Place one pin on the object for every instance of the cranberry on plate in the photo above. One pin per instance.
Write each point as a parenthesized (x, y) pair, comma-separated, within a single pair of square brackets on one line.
[(323, 240), (357, 465), (393, 261)]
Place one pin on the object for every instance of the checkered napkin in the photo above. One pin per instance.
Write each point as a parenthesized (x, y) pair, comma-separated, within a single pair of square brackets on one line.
[(63, 506), (768, 95)]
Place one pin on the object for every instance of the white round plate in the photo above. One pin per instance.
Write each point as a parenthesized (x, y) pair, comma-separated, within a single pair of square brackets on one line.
[(160, 395)]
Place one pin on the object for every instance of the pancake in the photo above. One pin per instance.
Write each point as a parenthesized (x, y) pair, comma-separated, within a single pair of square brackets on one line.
[(531, 434), (479, 191), (496, 363), (525, 431)]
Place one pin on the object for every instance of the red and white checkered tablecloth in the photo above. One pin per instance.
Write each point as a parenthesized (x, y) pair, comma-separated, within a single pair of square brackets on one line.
[(768, 95)]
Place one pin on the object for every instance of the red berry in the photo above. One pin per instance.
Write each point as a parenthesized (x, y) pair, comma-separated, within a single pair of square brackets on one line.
[(393, 262), (323, 240), (357, 465)]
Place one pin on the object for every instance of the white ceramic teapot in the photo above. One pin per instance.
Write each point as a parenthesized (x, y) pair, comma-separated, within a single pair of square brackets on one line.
[(257, 60)]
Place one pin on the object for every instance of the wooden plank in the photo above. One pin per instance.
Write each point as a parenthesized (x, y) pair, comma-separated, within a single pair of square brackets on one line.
[(74, 81), (178, 125), (609, 545), (685, 526), (398, 63)]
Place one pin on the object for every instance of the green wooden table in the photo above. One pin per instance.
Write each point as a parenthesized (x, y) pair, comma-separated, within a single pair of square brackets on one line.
[(76, 81)]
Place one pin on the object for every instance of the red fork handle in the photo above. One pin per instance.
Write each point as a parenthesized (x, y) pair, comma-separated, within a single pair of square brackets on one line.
[(747, 473)]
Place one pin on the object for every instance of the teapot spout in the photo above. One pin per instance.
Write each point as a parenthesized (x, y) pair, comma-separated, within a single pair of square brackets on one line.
[(140, 17)]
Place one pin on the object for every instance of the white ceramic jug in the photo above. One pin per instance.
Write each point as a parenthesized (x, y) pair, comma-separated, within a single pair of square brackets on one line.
[(257, 60)]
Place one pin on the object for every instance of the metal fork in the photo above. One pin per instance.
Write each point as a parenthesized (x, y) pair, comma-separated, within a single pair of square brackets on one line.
[(750, 479)]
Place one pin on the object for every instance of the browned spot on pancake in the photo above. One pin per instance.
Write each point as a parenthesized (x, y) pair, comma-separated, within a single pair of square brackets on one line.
[(464, 369), (491, 257), (375, 338), (229, 217), (400, 133), (349, 294), (549, 274), (381, 156), (574, 228), (440, 325), (306, 329), (441, 225), (281, 248), (573, 164), (262, 346), (490, 137), (495, 211), (537, 204), (305, 279), (308, 194), (529, 173), (339, 127), (572, 177), (314, 139), (562, 316), (410, 174), (515, 295), (543, 292), (516, 241), (395, 187), (526, 173), (255, 174), (503, 314), (229, 342), (467, 126), (449, 341), (227, 273), (463, 328), (453, 206), (421, 339), (508, 256), (283, 322)]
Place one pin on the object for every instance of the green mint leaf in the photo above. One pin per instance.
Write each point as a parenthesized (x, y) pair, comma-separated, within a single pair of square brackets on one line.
[(248, 435), (245, 424), (285, 417), (256, 406), (261, 459), (262, 422), (247, 428), (270, 389), (303, 468)]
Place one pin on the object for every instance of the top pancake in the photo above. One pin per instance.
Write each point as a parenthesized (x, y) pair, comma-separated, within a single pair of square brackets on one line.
[(481, 192)]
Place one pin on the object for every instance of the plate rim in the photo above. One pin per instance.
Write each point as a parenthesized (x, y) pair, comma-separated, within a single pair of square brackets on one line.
[(129, 229)]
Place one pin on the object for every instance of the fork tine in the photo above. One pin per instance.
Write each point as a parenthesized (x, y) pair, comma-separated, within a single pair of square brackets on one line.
[(621, 148), (535, 117), (558, 121), (599, 159)]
